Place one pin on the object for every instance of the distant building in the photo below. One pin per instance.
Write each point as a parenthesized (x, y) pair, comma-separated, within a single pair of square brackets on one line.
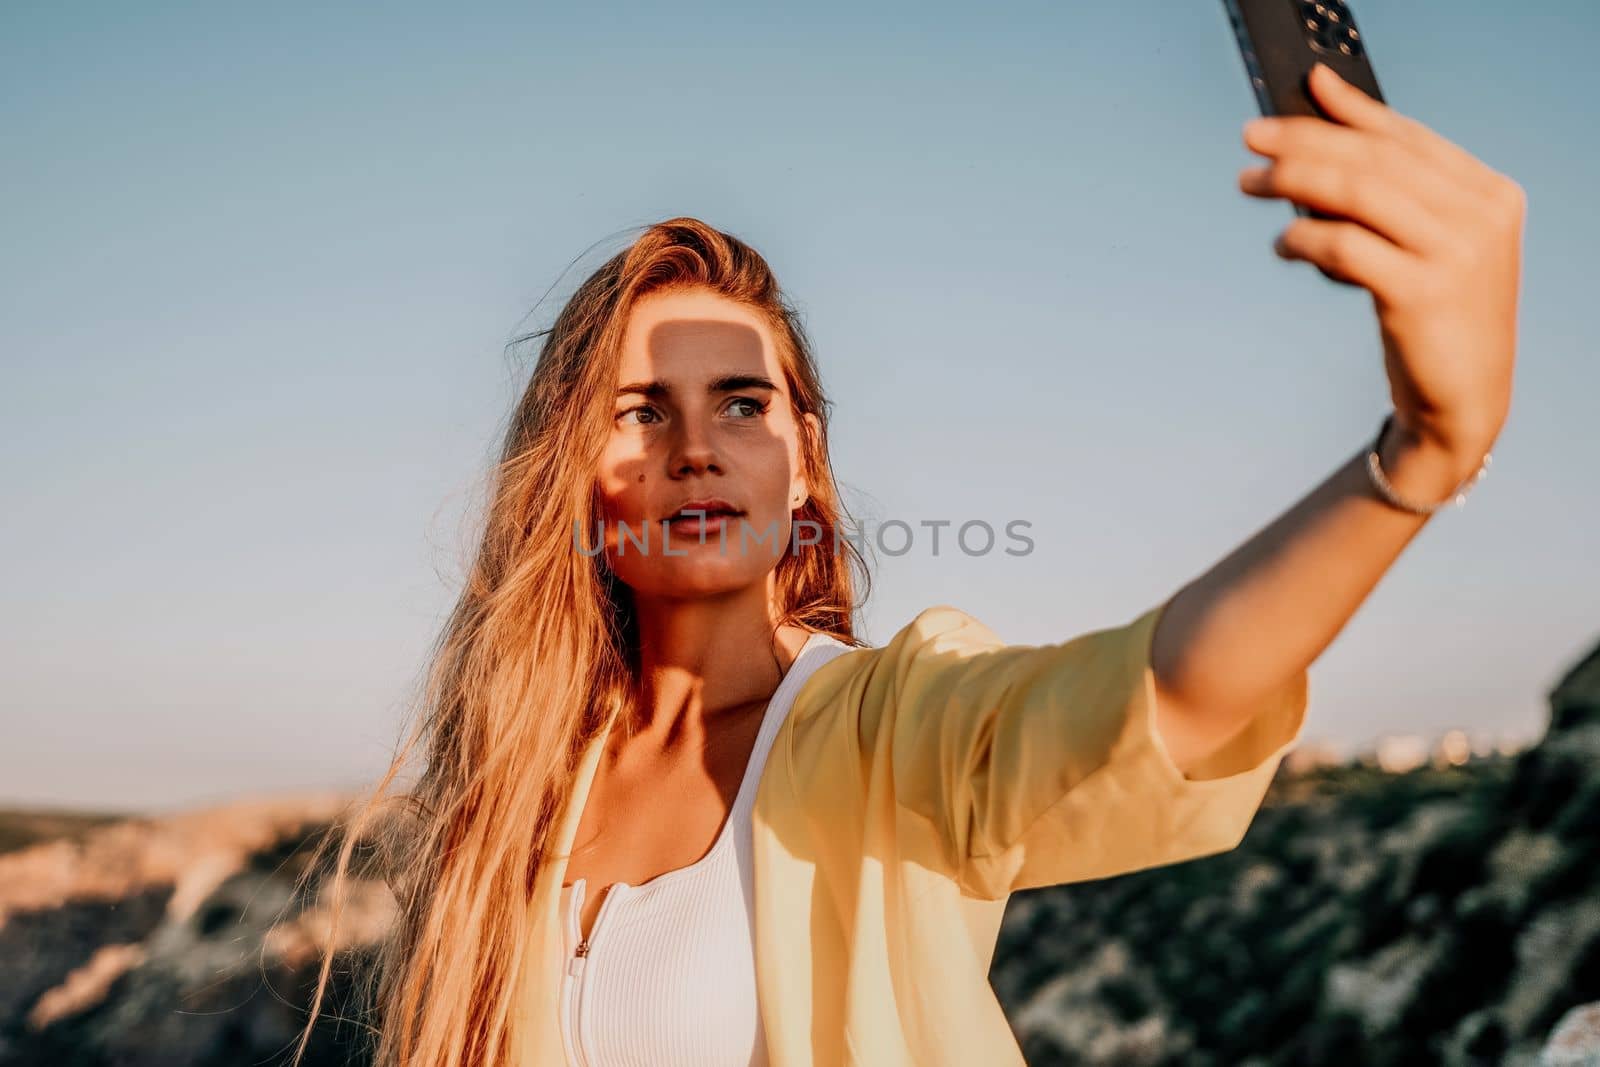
[(1508, 745), (1398, 753), (1453, 749), (1309, 755)]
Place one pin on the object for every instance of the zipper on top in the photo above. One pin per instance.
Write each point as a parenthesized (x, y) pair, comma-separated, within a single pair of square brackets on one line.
[(580, 956), (569, 991), (574, 910)]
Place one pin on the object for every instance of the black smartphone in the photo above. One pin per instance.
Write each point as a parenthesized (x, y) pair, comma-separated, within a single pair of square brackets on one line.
[(1281, 40)]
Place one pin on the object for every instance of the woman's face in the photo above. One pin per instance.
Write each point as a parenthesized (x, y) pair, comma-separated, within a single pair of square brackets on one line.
[(702, 413)]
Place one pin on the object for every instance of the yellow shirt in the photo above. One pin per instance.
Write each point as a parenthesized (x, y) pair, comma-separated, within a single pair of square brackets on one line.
[(911, 789)]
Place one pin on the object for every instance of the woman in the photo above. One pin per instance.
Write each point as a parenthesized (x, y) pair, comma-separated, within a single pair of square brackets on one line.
[(784, 847)]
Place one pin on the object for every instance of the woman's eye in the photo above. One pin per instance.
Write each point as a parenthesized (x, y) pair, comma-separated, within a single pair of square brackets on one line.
[(755, 407), (742, 407), (642, 409)]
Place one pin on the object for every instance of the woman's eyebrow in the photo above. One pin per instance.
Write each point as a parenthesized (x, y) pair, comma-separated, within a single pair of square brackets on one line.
[(727, 383)]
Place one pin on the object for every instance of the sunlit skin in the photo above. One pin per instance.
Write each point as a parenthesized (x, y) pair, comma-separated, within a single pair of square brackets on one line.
[(693, 419)]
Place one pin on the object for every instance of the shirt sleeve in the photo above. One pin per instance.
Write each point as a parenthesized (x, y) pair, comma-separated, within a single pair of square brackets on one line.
[(1039, 765)]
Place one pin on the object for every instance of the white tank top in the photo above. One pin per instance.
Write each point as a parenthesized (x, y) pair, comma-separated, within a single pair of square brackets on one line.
[(668, 975)]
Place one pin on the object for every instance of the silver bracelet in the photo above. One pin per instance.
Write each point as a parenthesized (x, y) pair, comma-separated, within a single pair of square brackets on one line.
[(1387, 491)]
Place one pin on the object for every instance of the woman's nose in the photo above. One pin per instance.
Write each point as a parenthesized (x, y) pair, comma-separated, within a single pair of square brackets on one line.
[(692, 449)]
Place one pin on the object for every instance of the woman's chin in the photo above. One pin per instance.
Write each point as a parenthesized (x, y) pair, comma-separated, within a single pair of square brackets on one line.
[(700, 572)]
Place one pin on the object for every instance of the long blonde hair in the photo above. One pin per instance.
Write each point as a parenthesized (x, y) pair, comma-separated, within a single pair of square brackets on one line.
[(539, 646)]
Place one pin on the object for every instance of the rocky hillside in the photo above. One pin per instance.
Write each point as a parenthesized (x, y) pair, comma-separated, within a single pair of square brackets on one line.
[(173, 941), (1443, 916), (1434, 917)]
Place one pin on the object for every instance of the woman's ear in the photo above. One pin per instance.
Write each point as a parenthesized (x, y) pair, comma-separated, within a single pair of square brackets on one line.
[(799, 492), (810, 443)]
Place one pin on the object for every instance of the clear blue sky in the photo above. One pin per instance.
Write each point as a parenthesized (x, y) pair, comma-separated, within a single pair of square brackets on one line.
[(260, 265)]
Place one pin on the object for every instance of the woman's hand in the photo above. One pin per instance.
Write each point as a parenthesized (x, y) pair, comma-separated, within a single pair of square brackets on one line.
[(1432, 233)]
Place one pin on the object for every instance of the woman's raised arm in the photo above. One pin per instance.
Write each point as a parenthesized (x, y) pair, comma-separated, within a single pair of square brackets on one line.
[(1435, 236)]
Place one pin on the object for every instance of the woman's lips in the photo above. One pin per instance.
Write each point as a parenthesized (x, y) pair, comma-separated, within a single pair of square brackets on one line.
[(702, 525)]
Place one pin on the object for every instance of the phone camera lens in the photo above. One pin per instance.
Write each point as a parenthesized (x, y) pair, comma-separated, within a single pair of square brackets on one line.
[(1328, 26), (1314, 18)]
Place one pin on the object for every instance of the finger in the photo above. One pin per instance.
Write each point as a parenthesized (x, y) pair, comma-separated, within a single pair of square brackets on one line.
[(1349, 251), (1371, 196), (1281, 136), (1345, 103), (1359, 162)]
